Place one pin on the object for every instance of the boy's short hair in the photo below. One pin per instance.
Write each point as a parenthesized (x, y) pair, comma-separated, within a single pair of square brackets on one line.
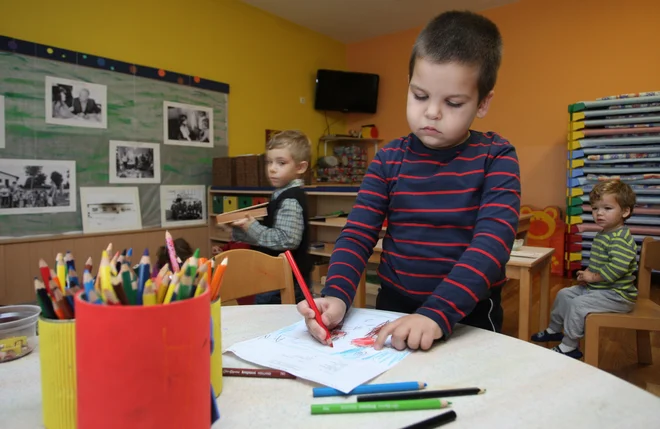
[(622, 192), (465, 38), (296, 141)]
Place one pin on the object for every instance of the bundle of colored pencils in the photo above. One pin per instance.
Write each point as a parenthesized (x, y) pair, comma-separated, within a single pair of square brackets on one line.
[(57, 287), (117, 282)]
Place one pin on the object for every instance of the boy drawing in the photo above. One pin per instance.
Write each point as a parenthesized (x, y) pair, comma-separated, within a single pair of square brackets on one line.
[(285, 227), (451, 196), (608, 284)]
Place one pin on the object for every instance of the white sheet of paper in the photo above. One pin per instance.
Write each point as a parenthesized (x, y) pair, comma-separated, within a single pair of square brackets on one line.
[(2, 121), (342, 367)]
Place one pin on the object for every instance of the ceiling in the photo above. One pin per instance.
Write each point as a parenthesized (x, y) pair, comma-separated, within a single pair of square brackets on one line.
[(350, 21)]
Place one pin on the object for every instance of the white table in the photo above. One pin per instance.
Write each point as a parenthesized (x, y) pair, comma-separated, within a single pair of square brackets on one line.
[(527, 386)]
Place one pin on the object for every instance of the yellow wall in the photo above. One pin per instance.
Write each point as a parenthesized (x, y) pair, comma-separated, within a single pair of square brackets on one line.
[(269, 63), (556, 52)]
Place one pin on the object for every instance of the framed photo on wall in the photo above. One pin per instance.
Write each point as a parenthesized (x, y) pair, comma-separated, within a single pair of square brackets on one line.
[(134, 162), (75, 103), (29, 186), (112, 208), (187, 125), (182, 205)]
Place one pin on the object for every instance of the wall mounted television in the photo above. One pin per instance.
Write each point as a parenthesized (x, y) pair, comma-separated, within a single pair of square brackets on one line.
[(349, 92)]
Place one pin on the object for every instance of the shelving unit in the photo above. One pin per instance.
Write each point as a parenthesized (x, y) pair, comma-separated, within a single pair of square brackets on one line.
[(320, 200), (350, 140), (612, 137)]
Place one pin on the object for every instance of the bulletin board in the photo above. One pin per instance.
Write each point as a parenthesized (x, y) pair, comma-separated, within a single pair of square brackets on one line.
[(133, 110)]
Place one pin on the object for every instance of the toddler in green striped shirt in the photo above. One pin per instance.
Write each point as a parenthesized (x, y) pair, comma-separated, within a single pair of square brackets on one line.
[(608, 284)]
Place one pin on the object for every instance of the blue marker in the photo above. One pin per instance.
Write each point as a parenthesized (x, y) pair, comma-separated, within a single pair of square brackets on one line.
[(319, 392)]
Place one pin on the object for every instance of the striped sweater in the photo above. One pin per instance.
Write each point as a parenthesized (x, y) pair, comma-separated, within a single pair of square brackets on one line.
[(614, 256), (452, 216)]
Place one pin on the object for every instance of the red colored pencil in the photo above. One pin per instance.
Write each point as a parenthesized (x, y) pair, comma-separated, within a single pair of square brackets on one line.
[(45, 275), (258, 373), (308, 295)]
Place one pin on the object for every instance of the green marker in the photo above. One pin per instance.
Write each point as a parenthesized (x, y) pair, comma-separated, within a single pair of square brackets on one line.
[(371, 407)]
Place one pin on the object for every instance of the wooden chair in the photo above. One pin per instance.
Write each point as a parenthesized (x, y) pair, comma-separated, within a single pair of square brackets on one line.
[(250, 272), (644, 318)]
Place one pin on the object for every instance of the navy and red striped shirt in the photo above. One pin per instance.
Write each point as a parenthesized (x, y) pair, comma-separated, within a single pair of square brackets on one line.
[(452, 216)]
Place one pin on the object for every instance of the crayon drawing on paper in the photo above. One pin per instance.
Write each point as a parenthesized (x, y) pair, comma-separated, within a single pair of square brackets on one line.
[(351, 362)]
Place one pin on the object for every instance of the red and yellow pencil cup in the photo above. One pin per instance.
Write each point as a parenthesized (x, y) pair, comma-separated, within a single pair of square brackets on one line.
[(216, 356), (57, 356), (143, 366)]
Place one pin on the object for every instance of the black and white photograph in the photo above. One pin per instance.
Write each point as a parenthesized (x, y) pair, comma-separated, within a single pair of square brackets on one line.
[(112, 208), (30, 186), (182, 205), (134, 162), (75, 103), (186, 125)]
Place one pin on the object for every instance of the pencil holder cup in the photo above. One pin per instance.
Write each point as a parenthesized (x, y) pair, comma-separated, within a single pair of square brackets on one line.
[(216, 355), (57, 355), (144, 366)]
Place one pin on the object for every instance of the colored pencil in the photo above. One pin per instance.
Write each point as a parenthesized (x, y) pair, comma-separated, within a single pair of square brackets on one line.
[(127, 284), (370, 388), (89, 265), (61, 304), (193, 263), (149, 295), (118, 287), (370, 407), (55, 281), (185, 285), (434, 422), (113, 264), (216, 280), (73, 278), (170, 250), (61, 270), (144, 272), (44, 300), (88, 284), (45, 274), (422, 394), (256, 373), (104, 274), (162, 289), (69, 261), (308, 296)]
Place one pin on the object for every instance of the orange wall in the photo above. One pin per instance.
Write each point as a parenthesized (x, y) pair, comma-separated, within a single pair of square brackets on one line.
[(556, 52)]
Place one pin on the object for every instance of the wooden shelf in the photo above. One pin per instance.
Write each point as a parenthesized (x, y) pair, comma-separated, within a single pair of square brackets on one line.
[(348, 139)]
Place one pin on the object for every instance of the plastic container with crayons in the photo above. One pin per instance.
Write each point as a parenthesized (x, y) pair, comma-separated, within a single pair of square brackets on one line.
[(18, 331)]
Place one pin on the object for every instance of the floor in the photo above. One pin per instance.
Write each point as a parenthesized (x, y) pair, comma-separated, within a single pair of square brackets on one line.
[(617, 346)]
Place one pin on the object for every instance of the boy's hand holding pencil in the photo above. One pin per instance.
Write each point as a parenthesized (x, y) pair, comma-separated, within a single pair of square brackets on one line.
[(332, 313)]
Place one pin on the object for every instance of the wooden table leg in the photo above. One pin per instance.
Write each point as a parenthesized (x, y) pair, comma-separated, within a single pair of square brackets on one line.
[(361, 293), (525, 292), (544, 311)]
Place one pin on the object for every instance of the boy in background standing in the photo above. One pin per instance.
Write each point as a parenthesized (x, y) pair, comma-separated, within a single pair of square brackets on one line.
[(286, 226)]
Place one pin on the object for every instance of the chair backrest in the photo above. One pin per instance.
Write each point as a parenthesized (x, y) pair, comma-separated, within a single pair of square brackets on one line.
[(250, 272), (649, 260)]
